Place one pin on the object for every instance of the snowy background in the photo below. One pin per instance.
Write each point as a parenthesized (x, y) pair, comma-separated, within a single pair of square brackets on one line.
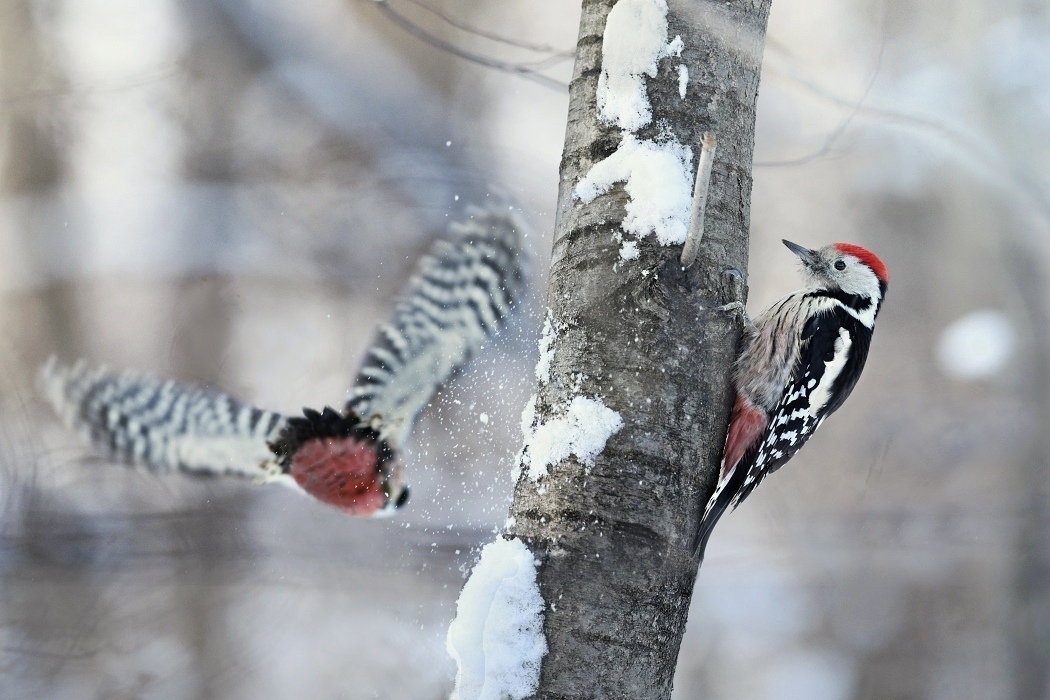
[(231, 192)]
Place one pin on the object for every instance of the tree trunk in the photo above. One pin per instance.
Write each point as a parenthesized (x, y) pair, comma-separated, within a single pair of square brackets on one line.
[(614, 539), (1030, 620)]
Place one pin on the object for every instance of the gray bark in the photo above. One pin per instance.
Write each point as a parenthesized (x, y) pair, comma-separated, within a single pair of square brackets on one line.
[(614, 541), (1030, 619)]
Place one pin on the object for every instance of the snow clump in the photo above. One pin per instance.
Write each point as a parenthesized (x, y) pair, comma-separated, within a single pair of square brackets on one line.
[(634, 41), (582, 430), (657, 175), (497, 637), (659, 181), (629, 250)]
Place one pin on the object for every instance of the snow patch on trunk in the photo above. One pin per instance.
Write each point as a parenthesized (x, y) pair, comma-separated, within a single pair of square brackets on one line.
[(634, 41), (497, 637), (659, 181), (657, 175), (629, 250), (583, 429), (547, 338)]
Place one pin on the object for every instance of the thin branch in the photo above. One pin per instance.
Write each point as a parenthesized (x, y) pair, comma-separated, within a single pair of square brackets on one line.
[(994, 168), (485, 34), (11, 94), (840, 129), (549, 61), (703, 182), (442, 45)]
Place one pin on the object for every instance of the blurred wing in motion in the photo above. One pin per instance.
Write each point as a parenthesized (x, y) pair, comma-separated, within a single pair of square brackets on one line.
[(457, 298), (459, 295), (163, 425)]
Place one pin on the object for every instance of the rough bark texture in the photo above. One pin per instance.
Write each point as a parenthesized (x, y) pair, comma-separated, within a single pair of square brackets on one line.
[(614, 539)]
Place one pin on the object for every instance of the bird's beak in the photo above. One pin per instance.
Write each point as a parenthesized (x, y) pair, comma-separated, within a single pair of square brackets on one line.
[(809, 257)]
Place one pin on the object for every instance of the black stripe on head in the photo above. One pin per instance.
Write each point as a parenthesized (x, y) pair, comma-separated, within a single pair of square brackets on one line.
[(853, 301)]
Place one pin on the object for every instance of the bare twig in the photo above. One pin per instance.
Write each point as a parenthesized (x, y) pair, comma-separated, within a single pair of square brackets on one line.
[(485, 34), (825, 149), (703, 182), (438, 43)]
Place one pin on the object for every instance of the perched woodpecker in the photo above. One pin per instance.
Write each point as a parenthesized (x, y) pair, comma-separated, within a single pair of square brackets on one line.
[(799, 361), (457, 299)]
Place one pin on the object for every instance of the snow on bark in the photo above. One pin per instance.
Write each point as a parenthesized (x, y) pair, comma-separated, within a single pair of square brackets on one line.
[(497, 636), (657, 177), (583, 430), (634, 41), (547, 338), (629, 250)]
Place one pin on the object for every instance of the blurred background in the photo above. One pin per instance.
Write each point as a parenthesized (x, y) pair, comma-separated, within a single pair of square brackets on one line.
[(232, 192)]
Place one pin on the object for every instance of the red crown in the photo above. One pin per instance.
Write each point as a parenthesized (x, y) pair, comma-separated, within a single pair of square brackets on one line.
[(866, 257)]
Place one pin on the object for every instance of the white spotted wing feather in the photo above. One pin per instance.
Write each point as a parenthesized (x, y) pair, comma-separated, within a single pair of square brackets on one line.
[(459, 296), (162, 424)]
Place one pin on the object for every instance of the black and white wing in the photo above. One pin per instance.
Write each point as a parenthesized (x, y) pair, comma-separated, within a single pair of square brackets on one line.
[(161, 424), (834, 350), (458, 297)]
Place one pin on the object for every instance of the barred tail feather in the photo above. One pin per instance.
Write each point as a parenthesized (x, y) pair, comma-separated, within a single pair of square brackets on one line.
[(458, 297), (162, 425), (723, 497)]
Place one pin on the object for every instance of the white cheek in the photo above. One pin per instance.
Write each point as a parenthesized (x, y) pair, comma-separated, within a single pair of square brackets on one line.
[(858, 279)]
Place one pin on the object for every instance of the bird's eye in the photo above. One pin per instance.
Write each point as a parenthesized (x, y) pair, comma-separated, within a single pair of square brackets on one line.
[(839, 265)]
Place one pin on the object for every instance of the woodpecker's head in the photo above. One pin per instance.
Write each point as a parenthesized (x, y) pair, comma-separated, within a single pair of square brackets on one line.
[(845, 267), (342, 461)]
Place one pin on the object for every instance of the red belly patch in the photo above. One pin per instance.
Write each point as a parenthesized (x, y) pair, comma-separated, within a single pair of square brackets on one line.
[(342, 472), (745, 428)]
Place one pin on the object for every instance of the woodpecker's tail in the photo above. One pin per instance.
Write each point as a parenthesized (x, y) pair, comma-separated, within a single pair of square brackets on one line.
[(716, 507), (725, 493)]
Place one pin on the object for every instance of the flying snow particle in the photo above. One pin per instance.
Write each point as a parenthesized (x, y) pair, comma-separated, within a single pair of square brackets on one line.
[(977, 346), (497, 637)]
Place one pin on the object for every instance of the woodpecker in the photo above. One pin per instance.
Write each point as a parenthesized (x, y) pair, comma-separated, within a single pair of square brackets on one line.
[(458, 297), (799, 361)]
